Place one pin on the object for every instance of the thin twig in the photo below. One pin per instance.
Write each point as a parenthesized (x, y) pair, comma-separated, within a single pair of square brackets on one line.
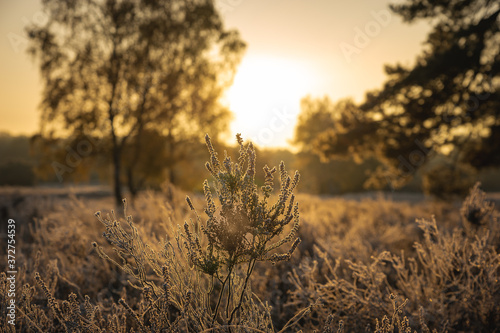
[(221, 293), (251, 265)]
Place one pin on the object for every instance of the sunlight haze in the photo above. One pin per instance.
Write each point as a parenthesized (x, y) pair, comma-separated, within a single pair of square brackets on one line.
[(265, 97)]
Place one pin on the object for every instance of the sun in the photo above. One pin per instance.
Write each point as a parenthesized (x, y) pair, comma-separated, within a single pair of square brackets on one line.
[(265, 98)]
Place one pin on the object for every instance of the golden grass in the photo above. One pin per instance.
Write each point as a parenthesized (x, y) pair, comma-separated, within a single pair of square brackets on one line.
[(370, 264)]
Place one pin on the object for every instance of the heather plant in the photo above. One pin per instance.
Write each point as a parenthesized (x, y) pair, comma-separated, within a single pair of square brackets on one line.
[(479, 216), (241, 229), (452, 274)]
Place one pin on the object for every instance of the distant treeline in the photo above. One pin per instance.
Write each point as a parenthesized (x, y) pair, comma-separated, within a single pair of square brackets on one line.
[(16, 162), (19, 167)]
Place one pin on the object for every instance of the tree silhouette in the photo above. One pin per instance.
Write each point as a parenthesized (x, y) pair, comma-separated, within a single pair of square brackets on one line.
[(346, 173), (447, 103), (125, 72)]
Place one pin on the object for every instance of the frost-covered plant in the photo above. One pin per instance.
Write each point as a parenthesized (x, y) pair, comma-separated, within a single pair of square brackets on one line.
[(452, 274), (242, 228), (479, 215)]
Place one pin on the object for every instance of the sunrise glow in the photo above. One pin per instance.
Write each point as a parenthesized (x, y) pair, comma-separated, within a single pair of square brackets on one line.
[(265, 98)]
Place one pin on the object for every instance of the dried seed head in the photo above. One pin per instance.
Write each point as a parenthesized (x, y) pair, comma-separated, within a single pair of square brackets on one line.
[(189, 202)]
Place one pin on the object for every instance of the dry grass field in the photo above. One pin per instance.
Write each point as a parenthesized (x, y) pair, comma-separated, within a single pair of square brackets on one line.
[(365, 263)]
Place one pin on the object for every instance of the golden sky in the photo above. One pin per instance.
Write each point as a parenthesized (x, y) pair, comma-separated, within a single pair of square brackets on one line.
[(295, 48)]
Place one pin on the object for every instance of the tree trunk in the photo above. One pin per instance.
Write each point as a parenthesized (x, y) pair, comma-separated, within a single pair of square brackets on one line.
[(117, 171), (171, 176), (117, 145), (132, 187)]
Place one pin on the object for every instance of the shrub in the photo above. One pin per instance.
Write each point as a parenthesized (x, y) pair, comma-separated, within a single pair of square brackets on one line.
[(445, 180), (453, 276), (241, 229)]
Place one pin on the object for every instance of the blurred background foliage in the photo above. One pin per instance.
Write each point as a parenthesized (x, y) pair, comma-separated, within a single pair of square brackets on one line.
[(21, 166), (439, 117), (130, 92)]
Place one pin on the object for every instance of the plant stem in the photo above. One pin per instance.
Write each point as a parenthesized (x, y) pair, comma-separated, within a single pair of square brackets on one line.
[(228, 297), (251, 265), (221, 293), (209, 293)]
